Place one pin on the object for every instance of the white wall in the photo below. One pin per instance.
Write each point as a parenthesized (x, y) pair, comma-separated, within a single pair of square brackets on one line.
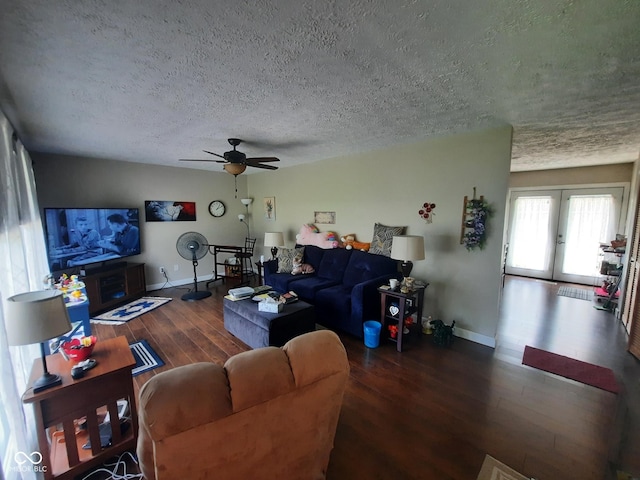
[(389, 186)]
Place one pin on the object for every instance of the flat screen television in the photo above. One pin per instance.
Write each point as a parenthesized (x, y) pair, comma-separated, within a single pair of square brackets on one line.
[(77, 237)]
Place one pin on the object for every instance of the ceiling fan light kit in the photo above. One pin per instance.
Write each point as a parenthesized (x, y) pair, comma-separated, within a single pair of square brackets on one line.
[(235, 168), (237, 162)]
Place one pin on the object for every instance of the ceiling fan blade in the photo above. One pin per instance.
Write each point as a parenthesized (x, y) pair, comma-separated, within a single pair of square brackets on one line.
[(263, 159), (212, 153), (197, 160), (259, 165)]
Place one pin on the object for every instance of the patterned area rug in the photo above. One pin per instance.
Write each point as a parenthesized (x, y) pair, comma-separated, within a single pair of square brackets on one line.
[(146, 357), (581, 293), (492, 469), (131, 310)]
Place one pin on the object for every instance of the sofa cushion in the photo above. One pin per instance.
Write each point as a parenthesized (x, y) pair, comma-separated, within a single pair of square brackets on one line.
[(306, 286), (313, 255), (285, 258), (333, 264), (383, 237), (281, 282), (365, 266)]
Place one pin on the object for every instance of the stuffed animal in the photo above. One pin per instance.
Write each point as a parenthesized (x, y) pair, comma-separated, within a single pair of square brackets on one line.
[(349, 242), (299, 267), (310, 235), (442, 334)]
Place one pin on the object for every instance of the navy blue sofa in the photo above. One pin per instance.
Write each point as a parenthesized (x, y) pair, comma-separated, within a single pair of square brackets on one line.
[(344, 287)]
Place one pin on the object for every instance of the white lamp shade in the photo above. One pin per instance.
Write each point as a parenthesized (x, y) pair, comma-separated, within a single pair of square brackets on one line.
[(246, 201), (34, 317), (273, 239), (241, 217), (407, 247)]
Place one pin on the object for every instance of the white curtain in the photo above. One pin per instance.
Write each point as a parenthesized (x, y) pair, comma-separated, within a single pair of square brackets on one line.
[(530, 233), (588, 225), (23, 267)]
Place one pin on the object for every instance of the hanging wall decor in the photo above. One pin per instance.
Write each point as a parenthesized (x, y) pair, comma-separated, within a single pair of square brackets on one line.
[(269, 204), (473, 232), (427, 211)]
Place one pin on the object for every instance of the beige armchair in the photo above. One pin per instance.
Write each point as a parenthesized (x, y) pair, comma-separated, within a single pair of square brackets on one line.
[(267, 413)]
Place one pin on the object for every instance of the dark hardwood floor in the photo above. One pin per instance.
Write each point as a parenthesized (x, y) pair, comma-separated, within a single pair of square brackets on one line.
[(432, 412)]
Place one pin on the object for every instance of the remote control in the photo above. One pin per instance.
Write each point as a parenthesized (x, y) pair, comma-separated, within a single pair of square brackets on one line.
[(77, 372)]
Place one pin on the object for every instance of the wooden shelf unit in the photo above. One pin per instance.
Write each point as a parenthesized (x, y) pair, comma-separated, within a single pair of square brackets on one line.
[(116, 286)]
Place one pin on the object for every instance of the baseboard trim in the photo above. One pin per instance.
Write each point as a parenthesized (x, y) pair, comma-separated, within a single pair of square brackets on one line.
[(475, 337)]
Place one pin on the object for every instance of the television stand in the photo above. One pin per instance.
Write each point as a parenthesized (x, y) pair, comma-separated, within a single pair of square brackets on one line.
[(114, 286), (104, 267)]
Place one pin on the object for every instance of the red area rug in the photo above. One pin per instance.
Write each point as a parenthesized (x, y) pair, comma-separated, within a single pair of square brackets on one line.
[(583, 372)]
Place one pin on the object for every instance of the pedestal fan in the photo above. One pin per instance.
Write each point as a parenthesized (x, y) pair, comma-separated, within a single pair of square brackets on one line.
[(193, 246)]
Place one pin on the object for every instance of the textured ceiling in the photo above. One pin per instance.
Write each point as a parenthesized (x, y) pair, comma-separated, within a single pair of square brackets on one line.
[(153, 81)]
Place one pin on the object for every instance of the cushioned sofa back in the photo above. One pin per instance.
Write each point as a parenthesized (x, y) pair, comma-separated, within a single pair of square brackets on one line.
[(268, 413), (333, 264), (365, 266), (313, 255)]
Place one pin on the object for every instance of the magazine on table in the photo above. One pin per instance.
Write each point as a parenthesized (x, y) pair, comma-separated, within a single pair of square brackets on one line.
[(289, 297)]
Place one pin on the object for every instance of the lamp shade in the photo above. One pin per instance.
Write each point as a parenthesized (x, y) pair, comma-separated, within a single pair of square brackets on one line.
[(246, 201), (407, 247), (273, 239), (34, 317)]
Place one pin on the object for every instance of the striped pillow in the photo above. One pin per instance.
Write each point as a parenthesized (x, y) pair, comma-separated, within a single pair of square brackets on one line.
[(383, 237)]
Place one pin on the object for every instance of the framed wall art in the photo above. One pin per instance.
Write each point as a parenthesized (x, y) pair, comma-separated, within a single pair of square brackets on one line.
[(269, 204), (324, 217), (169, 211)]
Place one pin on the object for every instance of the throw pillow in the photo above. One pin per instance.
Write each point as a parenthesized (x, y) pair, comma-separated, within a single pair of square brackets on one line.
[(285, 258), (383, 237)]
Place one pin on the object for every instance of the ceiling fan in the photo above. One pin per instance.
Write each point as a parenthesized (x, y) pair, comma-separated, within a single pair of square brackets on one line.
[(237, 162)]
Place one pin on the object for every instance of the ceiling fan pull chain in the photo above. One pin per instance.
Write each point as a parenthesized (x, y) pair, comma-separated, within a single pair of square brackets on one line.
[(235, 179)]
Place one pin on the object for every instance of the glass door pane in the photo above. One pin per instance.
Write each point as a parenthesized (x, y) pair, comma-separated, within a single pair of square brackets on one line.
[(532, 233), (587, 219)]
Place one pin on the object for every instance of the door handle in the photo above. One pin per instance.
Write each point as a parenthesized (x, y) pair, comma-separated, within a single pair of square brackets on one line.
[(560, 242)]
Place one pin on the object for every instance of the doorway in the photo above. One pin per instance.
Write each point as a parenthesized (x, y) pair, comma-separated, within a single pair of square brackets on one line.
[(556, 234)]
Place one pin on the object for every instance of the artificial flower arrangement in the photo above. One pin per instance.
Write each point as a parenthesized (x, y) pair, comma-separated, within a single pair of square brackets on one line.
[(477, 212)]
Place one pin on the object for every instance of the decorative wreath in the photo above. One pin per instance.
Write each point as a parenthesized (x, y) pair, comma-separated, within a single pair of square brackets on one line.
[(477, 213)]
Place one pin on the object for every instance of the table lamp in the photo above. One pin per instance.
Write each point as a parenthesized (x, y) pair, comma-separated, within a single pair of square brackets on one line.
[(35, 317), (407, 248), (273, 240)]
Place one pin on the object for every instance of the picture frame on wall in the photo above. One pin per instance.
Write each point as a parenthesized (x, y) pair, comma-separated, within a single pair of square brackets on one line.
[(324, 217), (269, 204), (169, 211)]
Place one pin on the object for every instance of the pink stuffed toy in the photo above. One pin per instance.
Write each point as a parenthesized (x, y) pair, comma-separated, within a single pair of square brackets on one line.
[(309, 235)]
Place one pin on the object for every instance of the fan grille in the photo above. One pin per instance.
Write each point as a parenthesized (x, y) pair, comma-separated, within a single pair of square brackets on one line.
[(192, 245)]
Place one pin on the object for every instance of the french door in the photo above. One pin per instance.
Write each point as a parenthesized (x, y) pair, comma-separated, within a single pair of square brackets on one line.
[(556, 234)]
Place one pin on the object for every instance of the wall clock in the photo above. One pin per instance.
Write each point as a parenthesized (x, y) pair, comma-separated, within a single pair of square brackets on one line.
[(217, 208)]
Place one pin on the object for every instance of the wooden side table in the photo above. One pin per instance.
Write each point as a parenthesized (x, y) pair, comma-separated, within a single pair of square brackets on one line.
[(75, 400), (259, 264), (408, 304)]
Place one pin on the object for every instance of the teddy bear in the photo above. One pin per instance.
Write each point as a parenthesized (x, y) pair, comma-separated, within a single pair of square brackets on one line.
[(299, 267), (310, 235), (349, 242)]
